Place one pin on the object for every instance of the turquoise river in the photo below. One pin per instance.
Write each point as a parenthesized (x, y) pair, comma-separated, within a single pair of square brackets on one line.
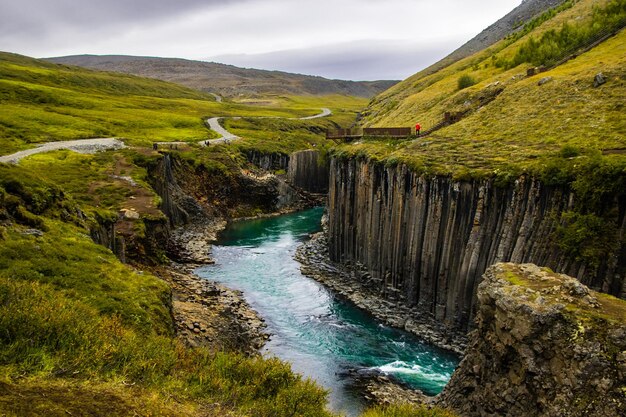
[(323, 337)]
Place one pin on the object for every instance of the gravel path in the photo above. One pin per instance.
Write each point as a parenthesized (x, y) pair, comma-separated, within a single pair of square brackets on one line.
[(226, 136), (214, 125), (102, 144), (325, 112), (81, 146)]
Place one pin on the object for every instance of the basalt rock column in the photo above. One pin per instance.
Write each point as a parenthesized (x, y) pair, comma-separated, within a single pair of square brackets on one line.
[(426, 241), (308, 171)]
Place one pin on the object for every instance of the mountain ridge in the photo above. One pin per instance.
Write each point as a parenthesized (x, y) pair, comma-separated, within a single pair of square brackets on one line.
[(224, 79), (509, 23)]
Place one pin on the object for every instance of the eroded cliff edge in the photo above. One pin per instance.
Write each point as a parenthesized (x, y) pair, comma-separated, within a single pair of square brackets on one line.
[(544, 345), (424, 242)]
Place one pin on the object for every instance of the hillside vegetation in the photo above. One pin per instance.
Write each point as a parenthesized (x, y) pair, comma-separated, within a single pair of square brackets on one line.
[(80, 332), (512, 22), (226, 80), (560, 125), (41, 102), (512, 123)]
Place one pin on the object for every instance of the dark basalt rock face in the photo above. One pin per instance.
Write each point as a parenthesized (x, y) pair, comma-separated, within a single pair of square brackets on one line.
[(308, 172), (425, 242), (544, 345), (268, 162)]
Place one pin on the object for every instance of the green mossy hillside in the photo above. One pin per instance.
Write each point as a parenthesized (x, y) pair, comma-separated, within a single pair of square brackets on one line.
[(511, 123), (74, 319), (42, 102)]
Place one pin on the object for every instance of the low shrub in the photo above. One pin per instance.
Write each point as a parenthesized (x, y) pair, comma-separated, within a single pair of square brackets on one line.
[(407, 410), (465, 81)]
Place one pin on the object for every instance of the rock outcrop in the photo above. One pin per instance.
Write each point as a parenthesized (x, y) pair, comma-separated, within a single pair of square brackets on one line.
[(544, 345), (425, 242), (308, 171), (200, 200), (268, 162)]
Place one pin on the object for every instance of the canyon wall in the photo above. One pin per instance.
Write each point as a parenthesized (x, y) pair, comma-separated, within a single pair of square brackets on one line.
[(425, 242), (544, 345), (268, 161), (308, 171)]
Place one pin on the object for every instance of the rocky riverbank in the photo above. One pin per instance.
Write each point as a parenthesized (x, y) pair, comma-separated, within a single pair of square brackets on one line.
[(192, 242), (351, 282), (209, 314), (378, 389)]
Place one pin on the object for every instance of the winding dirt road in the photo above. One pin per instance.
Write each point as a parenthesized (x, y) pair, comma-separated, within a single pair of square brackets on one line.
[(325, 112), (103, 144), (80, 146), (218, 98), (225, 136)]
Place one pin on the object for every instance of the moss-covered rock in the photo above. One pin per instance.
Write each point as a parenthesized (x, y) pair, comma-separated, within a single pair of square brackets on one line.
[(545, 345)]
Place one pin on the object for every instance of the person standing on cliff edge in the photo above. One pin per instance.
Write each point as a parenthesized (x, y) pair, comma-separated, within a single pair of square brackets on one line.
[(417, 129)]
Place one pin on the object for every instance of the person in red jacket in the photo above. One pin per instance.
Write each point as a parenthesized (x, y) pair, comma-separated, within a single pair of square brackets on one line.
[(417, 129)]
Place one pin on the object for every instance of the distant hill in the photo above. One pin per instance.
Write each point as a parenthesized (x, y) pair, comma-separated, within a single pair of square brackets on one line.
[(226, 80)]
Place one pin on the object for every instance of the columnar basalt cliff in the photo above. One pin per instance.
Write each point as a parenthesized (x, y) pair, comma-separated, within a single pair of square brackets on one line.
[(545, 345), (425, 242), (268, 162), (308, 171), (201, 200)]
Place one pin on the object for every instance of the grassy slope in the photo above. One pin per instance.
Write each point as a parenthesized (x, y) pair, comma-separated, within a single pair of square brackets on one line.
[(526, 126), (42, 102), (74, 321), (81, 333)]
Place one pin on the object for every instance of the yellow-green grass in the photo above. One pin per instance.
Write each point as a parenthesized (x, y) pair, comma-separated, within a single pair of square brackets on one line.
[(50, 333), (86, 178), (42, 102), (72, 314), (407, 410), (425, 96), (35, 397), (524, 128), (526, 120)]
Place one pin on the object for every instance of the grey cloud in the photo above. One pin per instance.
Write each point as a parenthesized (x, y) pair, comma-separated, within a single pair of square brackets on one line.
[(365, 60), (39, 17), (207, 28)]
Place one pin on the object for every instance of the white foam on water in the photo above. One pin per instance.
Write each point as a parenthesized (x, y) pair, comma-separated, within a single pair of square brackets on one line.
[(401, 367)]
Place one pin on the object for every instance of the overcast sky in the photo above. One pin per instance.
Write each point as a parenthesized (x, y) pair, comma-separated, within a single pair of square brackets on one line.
[(346, 39)]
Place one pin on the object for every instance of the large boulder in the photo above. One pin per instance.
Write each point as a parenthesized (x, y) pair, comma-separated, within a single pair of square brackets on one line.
[(545, 345)]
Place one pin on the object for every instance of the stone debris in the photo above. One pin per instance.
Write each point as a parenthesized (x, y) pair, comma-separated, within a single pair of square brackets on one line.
[(379, 389), (192, 243), (129, 214), (212, 315), (33, 232), (544, 80), (598, 80)]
